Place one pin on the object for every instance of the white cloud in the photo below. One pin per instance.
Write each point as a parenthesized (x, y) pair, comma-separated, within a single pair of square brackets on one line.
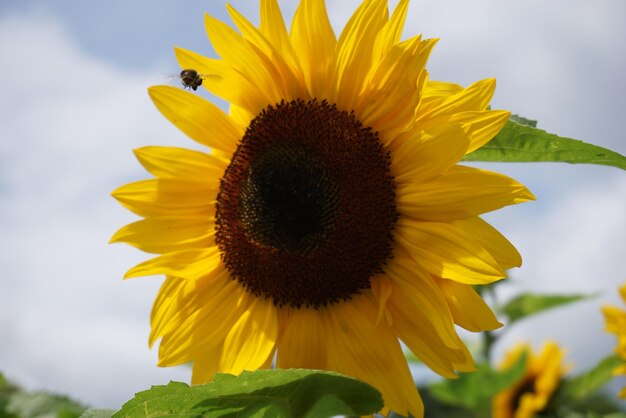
[(69, 123)]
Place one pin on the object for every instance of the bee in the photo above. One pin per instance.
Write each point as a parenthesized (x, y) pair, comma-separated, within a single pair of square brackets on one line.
[(191, 79)]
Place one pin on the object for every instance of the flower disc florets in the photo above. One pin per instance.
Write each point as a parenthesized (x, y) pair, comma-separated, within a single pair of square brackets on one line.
[(306, 208)]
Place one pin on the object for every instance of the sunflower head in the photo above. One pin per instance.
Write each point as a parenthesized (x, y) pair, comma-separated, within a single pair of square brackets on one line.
[(615, 320), (329, 219), (531, 394)]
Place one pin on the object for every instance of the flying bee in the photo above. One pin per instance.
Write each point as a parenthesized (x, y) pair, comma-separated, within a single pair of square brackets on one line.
[(191, 79)]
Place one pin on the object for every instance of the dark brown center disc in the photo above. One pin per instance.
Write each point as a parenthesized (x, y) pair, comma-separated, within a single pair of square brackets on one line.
[(306, 208)]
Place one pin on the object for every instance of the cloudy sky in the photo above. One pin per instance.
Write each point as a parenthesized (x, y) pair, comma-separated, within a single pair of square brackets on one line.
[(73, 105)]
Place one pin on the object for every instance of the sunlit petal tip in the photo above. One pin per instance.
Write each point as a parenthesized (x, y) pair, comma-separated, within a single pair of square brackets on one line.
[(118, 236), (159, 92), (525, 195), (135, 272)]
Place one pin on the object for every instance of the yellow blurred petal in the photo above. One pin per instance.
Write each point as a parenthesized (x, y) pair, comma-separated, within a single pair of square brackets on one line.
[(302, 344), (168, 233), (448, 252), (360, 348), (188, 264), (461, 192), (621, 370), (313, 38), (168, 197), (475, 97), (493, 241), (354, 50), (434, 152), (199, 119), (252, 338), (468, 309)]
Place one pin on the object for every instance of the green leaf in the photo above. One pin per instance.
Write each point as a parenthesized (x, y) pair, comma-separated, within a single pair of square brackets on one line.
[(528, 304), (476, 390), (263, 393), (523, 121), (584, 385), (43, 405), (520, 141), (7, 389), (589, 414), (434, 408), (98, 413)]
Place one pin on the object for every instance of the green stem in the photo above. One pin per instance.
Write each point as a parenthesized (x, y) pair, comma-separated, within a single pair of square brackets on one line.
[(488, 340)]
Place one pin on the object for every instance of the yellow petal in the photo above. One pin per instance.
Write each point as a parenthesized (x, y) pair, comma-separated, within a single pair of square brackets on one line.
[(448, 252), (181, 163), (273, 28), (287, 83), (252, 339), (314, 41), (461, 192), (168, 233), (302, 344), (188, 264), (493, 241), (205, 367), (165, 197), (481, 126), (382, 289), (206, 311), (436, 91), (165, 306), (391, 32), (413, 285), (391, 91), (179, 299), (360, 348), (468, 309), (258, 88), (354, 50), (432, 152), (201, 120), (422, 320), (475, 97)]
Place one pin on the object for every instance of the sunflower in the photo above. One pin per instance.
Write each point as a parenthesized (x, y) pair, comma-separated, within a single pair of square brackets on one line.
[(531, 394), (330, 218), (616, 323)]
